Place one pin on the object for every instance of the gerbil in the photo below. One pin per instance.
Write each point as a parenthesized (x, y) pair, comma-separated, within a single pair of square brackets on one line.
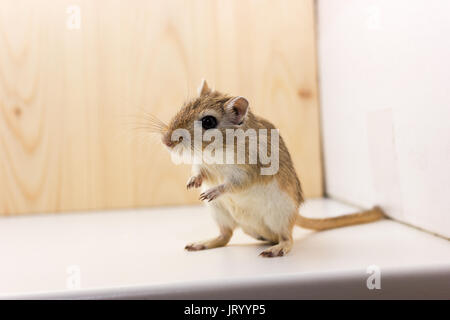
[(265, 206)]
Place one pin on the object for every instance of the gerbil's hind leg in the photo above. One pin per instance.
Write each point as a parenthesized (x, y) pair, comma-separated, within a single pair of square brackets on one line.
[(282, 248), (220, 241), (282, 226), (226, 225)]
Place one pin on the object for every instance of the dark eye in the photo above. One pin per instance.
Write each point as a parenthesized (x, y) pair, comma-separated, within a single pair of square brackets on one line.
[(209, 122)]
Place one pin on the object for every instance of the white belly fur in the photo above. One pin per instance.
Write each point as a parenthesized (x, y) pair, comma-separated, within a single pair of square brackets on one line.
[(262, 210)]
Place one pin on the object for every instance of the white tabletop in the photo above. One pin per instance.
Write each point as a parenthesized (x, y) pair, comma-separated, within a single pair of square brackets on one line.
[(140, 253)]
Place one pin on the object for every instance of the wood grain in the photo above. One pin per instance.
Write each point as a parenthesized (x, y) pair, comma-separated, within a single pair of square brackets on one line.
[(70, 98)]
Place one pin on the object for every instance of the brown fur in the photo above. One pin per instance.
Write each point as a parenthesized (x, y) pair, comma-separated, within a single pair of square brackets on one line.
[(214, 100)]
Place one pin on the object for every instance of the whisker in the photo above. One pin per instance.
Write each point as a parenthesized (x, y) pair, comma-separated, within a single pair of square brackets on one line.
[(146, 121), (154, 119), (149, 129), (151, 120)]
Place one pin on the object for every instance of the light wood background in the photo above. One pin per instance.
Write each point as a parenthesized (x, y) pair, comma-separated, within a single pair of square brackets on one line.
[(70, 98)]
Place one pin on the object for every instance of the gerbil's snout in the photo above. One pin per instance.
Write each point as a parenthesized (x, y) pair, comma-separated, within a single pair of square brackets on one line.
[(167, 140)]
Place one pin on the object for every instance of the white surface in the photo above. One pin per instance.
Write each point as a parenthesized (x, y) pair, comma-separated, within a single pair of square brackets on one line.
[(385, 99), (139, 253)]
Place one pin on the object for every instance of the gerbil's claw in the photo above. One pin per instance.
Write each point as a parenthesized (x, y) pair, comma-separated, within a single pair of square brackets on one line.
[(266, 254), (275, 251), (211, 194), (195, 247), (194, 182)]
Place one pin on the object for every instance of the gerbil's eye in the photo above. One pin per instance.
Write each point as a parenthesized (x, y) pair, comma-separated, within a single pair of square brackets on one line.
[(209, 122)]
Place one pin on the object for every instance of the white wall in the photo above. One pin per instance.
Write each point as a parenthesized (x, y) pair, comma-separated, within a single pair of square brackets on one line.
[(384, 70)]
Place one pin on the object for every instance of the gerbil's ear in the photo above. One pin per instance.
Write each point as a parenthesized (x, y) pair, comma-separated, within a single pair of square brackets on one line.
[(237, 109), (203, 88)]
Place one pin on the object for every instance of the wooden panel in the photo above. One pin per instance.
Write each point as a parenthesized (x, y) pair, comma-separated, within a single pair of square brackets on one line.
[(69, 97)]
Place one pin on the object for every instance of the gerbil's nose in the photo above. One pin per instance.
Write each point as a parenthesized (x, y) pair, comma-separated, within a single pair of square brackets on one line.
[(166, 139)]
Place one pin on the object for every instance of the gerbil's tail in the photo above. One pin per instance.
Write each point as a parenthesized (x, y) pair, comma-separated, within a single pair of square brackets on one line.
[(346, 220)]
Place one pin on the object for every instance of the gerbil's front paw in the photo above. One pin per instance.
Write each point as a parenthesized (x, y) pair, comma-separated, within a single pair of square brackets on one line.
[(211, 194), (195, 247), (194, 182)]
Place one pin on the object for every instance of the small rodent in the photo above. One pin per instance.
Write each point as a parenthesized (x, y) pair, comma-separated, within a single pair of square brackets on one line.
[(266, 207)]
